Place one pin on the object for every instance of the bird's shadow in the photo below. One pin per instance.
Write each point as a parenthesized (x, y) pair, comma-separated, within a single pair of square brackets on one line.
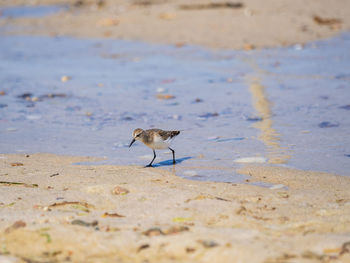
[(170, 161)]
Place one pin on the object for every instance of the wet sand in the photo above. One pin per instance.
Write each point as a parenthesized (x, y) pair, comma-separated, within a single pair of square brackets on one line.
[(68, 213), (218, 24)]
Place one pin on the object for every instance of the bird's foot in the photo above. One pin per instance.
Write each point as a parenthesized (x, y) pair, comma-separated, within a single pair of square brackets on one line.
[(149, 165)]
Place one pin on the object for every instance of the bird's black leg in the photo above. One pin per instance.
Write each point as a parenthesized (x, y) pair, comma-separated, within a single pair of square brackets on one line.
[(173, 155), (154, 157)]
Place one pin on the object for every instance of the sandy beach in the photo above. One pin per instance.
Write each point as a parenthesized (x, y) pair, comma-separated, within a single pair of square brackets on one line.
[(54, 208), (245, 24), (54, 211)]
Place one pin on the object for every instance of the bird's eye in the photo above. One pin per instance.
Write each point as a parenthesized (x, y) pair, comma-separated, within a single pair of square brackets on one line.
[(138, 135)]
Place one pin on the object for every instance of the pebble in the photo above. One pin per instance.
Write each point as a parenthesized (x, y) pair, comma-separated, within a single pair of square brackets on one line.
[(16, 164), (84, 223), (197, 100), (327, 124), (160, 90), (248, 47), (208, 243), (251, 160), (345, 107), (120, 191), (208, 115), (254, 119), (65, 78), (176, 117), (165, 96)]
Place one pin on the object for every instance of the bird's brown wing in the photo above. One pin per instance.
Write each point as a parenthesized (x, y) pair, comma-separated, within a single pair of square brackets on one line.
[(168, 134), (165, 134)]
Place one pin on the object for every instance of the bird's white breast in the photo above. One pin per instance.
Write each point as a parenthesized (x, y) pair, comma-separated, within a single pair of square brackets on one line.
[(159, 143)]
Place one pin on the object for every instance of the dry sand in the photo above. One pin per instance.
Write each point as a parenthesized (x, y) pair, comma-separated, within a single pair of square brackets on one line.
[(247, 24), (304, 217)]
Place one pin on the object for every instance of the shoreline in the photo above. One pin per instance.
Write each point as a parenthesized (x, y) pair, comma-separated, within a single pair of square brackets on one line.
[(141, 214)]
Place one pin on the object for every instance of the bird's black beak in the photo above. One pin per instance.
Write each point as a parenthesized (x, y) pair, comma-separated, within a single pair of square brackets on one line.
[(133, 140)]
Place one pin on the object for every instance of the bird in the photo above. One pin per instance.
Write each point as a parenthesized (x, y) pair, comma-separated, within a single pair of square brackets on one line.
[(155, 139)]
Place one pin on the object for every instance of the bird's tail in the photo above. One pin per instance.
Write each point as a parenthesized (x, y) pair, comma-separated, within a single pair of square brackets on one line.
[(174, 133)]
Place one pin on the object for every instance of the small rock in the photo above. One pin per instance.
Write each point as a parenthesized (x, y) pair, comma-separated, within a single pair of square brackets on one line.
[(25, 96), (197, 100), (208, 243), (78, 3), (208, 115), (345, 107), (160, 90), (83, 223), (180, 44), (327, 124), (176, 117), (248, 47), (254, 119), (176, 229), (165, 96), (16, 164), (155, 231), (16, 225), (127, 118), (106, 214), (65, 78), (142, 247), (190, 249), (120, 191)]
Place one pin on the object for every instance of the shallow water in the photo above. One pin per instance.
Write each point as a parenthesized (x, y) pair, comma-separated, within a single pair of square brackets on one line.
[(288, 105), (30, 11)]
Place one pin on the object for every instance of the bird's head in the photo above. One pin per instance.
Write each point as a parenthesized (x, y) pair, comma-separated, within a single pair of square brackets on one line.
[(136, 134)]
